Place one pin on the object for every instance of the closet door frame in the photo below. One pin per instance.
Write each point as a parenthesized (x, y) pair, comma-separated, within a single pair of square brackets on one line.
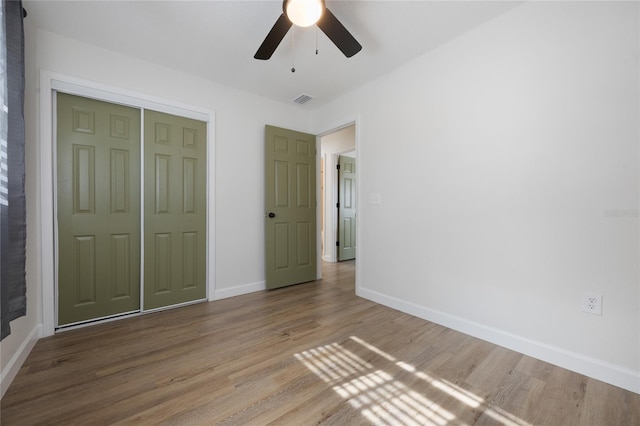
[(50, 83)]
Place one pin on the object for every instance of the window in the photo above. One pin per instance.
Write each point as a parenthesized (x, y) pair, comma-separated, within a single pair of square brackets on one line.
[(12, 172)]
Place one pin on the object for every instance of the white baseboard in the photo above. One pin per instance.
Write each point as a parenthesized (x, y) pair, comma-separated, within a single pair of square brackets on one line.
[(591, 367), (239, 290), (11, 370)]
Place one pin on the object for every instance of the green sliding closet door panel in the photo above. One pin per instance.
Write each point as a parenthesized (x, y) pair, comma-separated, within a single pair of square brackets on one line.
[(175, 209), (98, 200)]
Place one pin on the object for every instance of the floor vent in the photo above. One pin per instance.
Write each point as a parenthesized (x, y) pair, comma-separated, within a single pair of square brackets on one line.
[(302, 99)]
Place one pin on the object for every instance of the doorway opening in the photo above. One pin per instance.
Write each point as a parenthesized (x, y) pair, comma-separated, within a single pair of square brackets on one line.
[(335, 144)]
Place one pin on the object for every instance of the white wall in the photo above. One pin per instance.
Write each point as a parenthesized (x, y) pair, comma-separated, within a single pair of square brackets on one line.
[(507, 164), (331, 146)]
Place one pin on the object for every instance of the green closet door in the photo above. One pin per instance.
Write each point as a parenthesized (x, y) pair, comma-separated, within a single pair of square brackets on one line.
[(98, 200), (175, 209)]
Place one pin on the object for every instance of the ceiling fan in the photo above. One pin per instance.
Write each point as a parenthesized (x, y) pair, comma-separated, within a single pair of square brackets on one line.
[(305, 13)]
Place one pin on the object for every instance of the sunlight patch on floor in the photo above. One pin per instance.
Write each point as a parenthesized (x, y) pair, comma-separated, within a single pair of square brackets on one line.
[(384, 400)]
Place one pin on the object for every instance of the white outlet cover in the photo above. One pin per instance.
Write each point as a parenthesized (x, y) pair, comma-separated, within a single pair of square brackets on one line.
[(591, 303)]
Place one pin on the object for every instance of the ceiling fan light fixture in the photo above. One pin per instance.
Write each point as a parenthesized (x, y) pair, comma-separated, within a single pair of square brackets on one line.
[(304, 13)]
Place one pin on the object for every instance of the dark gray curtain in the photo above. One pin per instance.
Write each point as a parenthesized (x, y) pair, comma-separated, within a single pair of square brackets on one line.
[(13, 299)]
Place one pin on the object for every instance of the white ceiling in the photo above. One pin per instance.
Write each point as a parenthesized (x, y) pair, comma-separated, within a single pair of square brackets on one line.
[(216, 40)]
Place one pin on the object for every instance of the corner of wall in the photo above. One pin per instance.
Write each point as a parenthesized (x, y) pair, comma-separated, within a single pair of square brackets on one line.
[(238, 290), (10, 371)]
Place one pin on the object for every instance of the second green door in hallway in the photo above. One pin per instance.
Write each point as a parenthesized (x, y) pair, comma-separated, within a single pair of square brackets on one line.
[(346, 208)]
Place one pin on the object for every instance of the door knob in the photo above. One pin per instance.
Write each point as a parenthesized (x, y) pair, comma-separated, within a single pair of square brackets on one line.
[(272, 215)]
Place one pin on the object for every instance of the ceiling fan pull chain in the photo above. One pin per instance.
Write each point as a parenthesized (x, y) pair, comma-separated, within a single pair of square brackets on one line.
[(316, 39), (293, 50)]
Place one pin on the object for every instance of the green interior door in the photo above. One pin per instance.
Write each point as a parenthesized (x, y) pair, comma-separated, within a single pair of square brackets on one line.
[(98, 201), (175, 210), (347, 208), (290, 204)]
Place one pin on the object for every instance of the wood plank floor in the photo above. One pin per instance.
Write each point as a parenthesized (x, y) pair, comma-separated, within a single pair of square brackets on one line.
[(307, 354)]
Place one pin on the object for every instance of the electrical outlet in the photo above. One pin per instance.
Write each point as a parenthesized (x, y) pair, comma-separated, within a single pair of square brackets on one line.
[(592, 303)]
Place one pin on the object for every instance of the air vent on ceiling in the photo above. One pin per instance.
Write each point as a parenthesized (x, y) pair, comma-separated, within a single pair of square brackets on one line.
[(302, 99)]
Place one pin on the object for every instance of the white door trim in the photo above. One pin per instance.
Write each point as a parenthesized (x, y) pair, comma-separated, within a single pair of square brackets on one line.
[(50, 81)]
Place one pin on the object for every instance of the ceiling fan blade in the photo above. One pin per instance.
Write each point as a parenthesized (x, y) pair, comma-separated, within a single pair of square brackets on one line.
[(273, 39), (338, 34)]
